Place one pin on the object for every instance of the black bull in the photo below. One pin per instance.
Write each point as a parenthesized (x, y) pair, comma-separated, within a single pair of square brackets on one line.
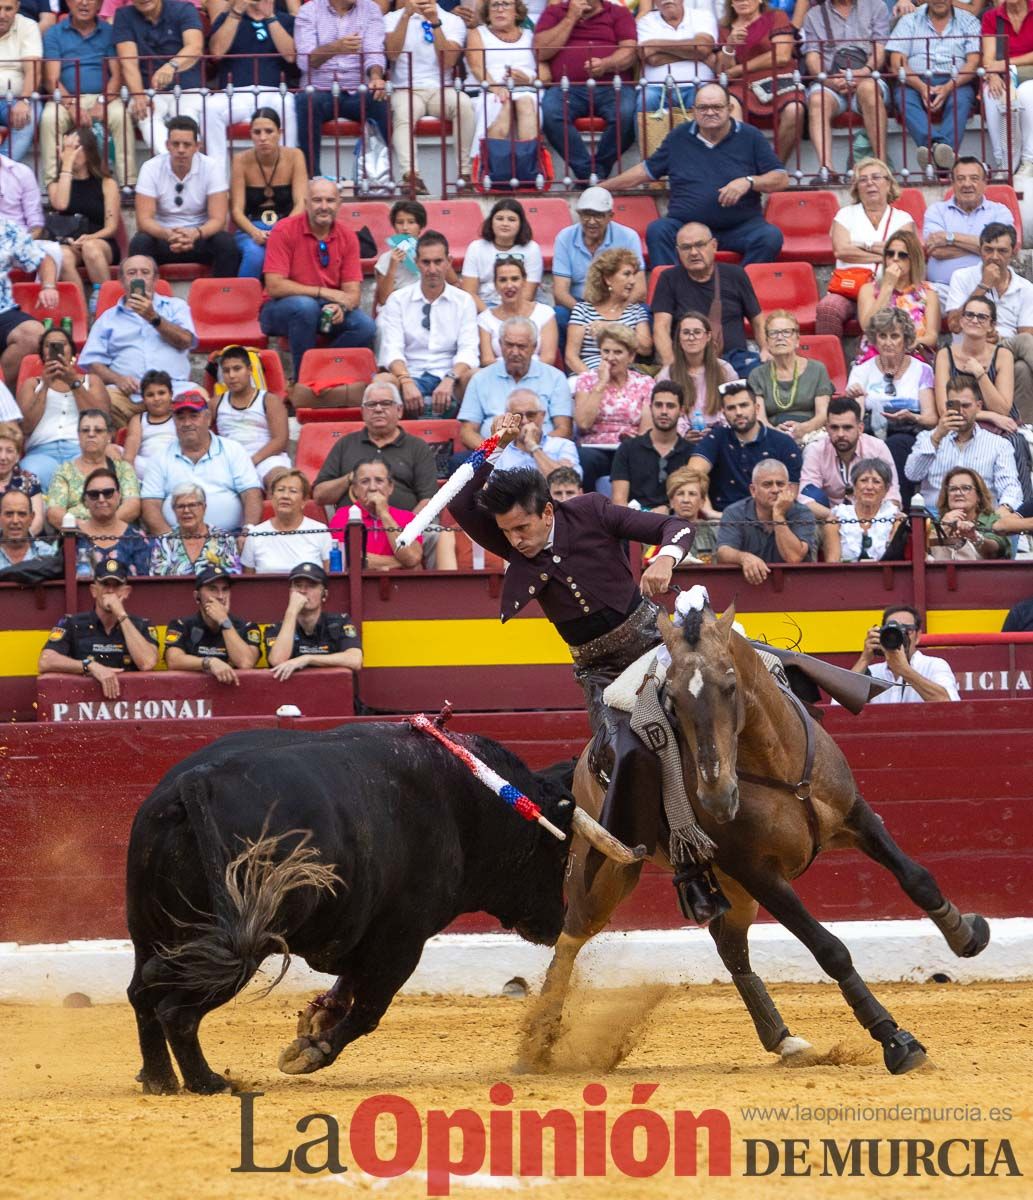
[(348, 848)]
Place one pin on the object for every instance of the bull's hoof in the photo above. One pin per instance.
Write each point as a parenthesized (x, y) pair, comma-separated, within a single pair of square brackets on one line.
[(167, 1085), (208, 1085), (980, 935), (303, 1056), (903, 1053)]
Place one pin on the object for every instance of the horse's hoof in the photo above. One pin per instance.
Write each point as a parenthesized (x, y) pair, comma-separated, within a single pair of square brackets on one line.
[(211, 1085), (790, 1046), (903, 1053), (303, 1056), (159, 1087), (980, 935)]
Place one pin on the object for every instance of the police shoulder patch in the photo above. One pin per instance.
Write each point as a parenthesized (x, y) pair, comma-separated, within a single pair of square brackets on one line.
[(350, 631), (172, 636), (56, 634), (254, 636)]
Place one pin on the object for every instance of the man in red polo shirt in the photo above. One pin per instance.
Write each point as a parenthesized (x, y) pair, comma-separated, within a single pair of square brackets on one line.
[(313, 274), (582, 40)]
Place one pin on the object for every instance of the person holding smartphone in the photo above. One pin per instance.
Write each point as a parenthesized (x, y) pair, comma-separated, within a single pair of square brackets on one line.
[(143, 331)]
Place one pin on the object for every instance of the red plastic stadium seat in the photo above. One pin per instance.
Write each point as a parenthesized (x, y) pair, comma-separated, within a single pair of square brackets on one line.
[(459, 220), (432, 127), (314, 443), (1003, 193), (547, 215), (728, 256), (70, 304), (635, 212), (341, 129), (805, 219), (275, 380), (471, 557), (786, 285), (590, 125), (29, 366), (434, 431), (826, 349), (327, 365), (654, 276), (184, 272), (225, 311), (111, 291), (308, 416), (912, 201), (376, 216)]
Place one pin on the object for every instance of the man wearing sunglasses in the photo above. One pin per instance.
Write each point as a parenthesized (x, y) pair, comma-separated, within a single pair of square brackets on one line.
[(182, 199), (105, 641), (313, 274), (891, 655)]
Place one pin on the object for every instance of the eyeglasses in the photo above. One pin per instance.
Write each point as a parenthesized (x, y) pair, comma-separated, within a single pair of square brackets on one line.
[(710, 108), (426, 316), (899, 254), (428, 31), (960, 487), (880, 178), (732, 387), (693, 335), (511, 256), (889, 385), (378, 404), (183, 505), (178, 201), (782, 333), (685, 247), (979, 318), (324, 254), (100, 493)]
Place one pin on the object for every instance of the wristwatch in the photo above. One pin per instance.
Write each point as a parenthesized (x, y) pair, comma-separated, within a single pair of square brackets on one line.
[(950, 239), (155, 320), (77, 384), (86, 663), (450, 375), (749, 180), (226, 624)]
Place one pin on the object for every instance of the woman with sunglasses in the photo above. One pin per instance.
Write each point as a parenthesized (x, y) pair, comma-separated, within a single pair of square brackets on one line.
[(84, 189), (510, 278), (609, 285), (269, 182), (863, 526), (895, 389), (796, 391), (965, 528), (102, 532), (65, 494), (51, 403), (698, 372), (506, 233), (901, 285), (192, 543)]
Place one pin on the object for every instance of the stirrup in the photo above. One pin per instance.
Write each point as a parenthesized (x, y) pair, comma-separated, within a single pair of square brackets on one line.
[(700, 897)]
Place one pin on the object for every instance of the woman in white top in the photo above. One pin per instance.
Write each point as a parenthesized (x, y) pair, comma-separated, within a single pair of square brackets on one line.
[(510, 277), (302, 540), (255, 418), (506, 233), (51, 403), (150, 432), (862, 528), (501, 51), (859, 235)]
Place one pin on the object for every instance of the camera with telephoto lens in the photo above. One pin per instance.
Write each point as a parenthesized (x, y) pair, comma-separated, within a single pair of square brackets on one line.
[(892, 636)]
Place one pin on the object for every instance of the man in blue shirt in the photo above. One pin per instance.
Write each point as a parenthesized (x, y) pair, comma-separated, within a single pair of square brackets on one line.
[(578, 244), (160, 44), (80, 59), (728, 453), (717, 169), (254, 42)]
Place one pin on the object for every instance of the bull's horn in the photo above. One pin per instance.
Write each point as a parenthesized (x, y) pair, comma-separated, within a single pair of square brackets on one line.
[(604, 842)]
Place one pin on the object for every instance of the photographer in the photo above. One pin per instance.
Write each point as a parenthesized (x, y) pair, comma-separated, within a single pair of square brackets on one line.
[(915, 676)]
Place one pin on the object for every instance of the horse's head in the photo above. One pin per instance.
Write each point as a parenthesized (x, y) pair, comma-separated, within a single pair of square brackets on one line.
[(703, 687)]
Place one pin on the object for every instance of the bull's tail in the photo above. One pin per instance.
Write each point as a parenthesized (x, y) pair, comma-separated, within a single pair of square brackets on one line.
[(222, 950)]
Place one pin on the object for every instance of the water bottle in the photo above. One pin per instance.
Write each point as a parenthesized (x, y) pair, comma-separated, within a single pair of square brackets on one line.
[(698, 422), (83, 563), (336, 559)]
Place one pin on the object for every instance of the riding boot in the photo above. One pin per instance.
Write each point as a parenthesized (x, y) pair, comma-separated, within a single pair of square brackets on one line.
[(699, 894)]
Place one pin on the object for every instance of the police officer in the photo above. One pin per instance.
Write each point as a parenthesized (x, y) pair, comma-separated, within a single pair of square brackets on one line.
[(213, 640), (105, 642), (307, 636)]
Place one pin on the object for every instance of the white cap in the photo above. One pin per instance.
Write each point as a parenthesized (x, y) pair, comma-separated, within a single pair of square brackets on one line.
[(595, 199)]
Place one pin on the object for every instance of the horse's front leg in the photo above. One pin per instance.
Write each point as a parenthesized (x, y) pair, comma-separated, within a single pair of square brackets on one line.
[(901, 1051)]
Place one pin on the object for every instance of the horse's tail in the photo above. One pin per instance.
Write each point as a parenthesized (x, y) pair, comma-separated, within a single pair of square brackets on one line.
[(223, 949)]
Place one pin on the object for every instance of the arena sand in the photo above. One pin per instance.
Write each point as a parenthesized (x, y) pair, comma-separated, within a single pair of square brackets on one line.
[(74, 1122)]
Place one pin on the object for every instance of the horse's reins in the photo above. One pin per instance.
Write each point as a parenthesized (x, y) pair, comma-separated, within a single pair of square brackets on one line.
[(802, 789)]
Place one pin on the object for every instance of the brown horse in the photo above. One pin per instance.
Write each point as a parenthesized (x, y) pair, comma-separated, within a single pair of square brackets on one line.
[(740, 738)]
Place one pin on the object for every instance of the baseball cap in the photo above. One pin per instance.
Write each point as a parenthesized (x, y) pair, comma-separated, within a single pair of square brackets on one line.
[(308, 570), (192, 401), (595, 199), (210, 574)]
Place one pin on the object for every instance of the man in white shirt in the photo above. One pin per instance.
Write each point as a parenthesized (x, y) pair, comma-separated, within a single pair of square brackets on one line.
[(21, 54), (1013, 295), (428, 335), (915, 677), (678, 41), (423, 44), (182, 199), (533, 447)]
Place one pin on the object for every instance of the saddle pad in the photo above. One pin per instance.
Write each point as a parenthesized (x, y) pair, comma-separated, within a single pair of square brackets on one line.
[(622, 692)]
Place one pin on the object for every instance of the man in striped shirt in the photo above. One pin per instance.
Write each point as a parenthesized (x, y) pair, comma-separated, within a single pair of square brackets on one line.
[(339, 42), (957, 441)]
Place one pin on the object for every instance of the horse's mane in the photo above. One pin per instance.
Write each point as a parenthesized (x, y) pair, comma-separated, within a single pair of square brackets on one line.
[(692, 626)]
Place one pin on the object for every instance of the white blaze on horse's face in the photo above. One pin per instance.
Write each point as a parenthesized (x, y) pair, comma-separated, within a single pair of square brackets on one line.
[(696, 684)]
